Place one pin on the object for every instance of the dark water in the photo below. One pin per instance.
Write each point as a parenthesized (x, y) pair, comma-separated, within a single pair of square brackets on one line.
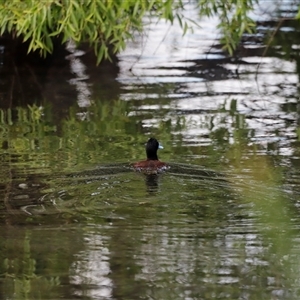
[(222, 223)]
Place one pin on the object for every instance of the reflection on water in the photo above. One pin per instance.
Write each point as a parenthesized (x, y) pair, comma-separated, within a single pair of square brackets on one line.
[(185, 232), (223, 222), (90, 273)]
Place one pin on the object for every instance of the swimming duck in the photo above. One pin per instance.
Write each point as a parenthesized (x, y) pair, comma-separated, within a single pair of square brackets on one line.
[(152, 164)]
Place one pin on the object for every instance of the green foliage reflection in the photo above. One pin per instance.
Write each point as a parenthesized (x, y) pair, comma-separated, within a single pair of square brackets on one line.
[(260, 186), (20, 274), (31, 135)]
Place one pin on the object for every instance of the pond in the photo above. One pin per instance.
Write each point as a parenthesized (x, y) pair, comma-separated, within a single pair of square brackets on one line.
[(77, 222)]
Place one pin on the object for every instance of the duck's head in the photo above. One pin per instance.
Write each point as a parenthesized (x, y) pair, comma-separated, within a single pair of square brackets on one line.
[(151, 149)]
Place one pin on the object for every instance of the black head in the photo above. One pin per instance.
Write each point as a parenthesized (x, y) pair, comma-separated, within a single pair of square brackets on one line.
[(151, 149)]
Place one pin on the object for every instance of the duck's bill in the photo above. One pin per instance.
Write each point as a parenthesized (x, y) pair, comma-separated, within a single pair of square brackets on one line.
[(160, 146)]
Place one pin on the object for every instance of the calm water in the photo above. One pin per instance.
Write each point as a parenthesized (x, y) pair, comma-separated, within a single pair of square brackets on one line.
[(223, 223)]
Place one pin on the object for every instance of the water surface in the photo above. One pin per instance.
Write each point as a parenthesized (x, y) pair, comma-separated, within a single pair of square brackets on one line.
[(222, 223)]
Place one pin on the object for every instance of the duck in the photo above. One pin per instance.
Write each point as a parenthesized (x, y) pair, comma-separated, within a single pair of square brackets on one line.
[(152, 165)]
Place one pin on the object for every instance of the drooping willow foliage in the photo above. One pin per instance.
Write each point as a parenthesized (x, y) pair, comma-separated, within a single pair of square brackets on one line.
[(234, 19), (107, 24)]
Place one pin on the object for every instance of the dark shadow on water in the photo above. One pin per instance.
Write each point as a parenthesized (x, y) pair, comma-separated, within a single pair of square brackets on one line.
[(152, 183), (29, 79), (152, 180), (195, 171)]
